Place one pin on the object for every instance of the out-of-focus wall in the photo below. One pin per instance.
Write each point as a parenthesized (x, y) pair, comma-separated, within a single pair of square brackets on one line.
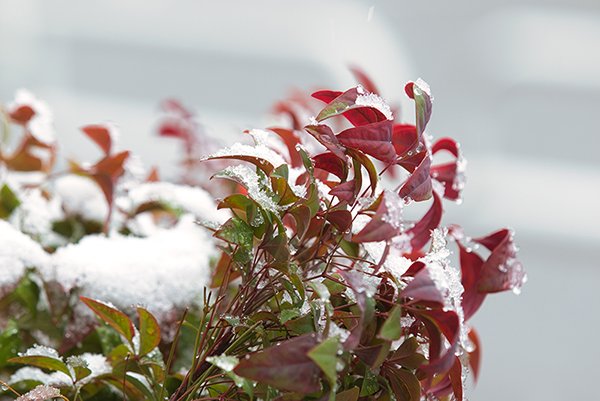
[(517, 82)]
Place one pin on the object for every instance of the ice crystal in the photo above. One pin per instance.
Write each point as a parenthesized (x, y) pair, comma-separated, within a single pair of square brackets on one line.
[(257, 188), (40, 393), (368, 99), (259, 151), (41, 350)]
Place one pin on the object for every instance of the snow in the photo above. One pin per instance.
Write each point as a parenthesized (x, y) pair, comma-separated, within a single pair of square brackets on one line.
[(393, 204), (395, 263), (27, 373), (82, 197), (185, 198), (40, 393), (225, 362), (260, 151), (424, 86), (41, 350), (17, 253), (446, 278), (369, 99), (257, 190), (164, 271), (41, 124), (96, 363), (35, 215)]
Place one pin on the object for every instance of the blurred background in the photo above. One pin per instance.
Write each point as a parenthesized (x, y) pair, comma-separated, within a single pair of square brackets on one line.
[(516, 82)]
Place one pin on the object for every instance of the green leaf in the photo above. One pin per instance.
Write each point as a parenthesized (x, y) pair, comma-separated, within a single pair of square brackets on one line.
[(325, 356), (44, 362), (226, 364), (348, 395), (28, 293), (369, 385), (237, 232), (8, 201), (149, 332), (113, 317), (288, 314), (79, 366), (9, 342), (392, 329)]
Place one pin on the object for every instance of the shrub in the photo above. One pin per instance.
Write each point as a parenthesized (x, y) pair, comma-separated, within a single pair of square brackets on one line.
[(313, 285)]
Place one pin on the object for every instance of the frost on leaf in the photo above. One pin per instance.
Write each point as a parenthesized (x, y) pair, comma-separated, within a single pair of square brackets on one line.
[(40, 393), (257, 186)]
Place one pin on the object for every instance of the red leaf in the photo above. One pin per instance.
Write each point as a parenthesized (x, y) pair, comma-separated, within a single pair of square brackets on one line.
[(448, 324), (475, 355), (285, 366), (341, 219), (332, 164), (455, 375), (470, 267), (404, 139), (112, 166), (290, 139), (385, 224), (449, 174), (327, 138), (418, 185), (326, 96), (374, 139), (345, 104), (364, 79), (421, 231), (345, 191), (423, 288), (22, 114), (101, 135), (501, 271)]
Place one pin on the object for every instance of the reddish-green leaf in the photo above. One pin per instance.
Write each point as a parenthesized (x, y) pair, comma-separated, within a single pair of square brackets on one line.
[(44, 362), (345, 104), (419, 92), (348, 395), (285, 366), (149, 331), (392, 329), (327, 138), (418, 185), (113, 317)]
